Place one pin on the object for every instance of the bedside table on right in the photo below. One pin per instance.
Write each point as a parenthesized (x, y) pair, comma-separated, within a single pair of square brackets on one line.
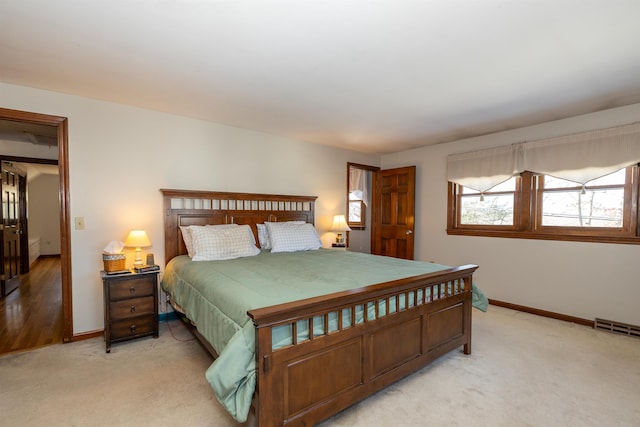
[(130, 306)]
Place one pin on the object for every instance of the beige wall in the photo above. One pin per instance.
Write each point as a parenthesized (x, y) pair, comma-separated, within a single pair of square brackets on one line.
[(586, 280), (44, 212), (120, 156)]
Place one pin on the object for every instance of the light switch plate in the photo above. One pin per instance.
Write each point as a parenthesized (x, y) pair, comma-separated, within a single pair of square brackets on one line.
[(79, 223)]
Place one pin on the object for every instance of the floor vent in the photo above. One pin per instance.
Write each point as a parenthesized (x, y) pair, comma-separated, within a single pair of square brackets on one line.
[(617, 327)]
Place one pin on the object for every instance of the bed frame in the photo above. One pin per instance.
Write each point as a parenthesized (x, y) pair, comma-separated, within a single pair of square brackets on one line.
[(311, 380)]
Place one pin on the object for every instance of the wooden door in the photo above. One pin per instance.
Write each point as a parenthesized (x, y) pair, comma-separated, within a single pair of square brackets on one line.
[(394, 204), (10, 220)]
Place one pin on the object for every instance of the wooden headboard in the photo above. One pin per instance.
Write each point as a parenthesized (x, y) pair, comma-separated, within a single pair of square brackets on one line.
[(186, 207)]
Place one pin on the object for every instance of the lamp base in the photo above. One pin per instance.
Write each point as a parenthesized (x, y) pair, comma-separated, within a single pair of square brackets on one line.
[(138, 261)]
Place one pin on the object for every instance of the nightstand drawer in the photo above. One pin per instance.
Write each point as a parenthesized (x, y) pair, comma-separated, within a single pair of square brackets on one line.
[(129, 328), (131, 307), (133, 288)]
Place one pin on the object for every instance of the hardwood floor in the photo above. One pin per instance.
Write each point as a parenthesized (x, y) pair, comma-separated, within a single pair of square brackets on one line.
[(31, 316)]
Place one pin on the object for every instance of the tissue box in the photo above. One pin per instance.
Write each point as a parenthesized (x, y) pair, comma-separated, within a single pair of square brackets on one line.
[(114, 262)]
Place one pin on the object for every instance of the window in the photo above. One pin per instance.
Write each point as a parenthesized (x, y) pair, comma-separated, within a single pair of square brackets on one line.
[(359, 181), (357, 213), (493, 207), (600, 203), (540, 206)]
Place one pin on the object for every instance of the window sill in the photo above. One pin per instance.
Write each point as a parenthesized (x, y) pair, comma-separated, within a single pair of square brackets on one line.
[(629, 240)]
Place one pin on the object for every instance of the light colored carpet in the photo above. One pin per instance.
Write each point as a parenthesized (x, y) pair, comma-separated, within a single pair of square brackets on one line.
[(525, 370)]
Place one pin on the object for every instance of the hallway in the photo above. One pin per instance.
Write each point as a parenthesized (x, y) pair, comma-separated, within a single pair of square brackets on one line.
[(31, 316)]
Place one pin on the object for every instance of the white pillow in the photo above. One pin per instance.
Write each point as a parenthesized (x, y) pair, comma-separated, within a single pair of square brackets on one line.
[(292, 236), (220, 243), (263, 236), (188, 238), (263, 233)]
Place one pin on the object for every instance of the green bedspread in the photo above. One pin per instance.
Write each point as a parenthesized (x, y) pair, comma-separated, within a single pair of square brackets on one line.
[(216, 296)]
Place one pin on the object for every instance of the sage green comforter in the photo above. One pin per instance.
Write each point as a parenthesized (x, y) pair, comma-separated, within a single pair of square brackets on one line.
[(216, 296)]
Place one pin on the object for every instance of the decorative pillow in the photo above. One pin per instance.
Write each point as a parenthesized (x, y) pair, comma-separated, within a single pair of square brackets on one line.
[(188, 238), (292, 236)]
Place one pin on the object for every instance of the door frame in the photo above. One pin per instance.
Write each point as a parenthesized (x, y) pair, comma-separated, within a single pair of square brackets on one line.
[(374, 170), (61, 123)]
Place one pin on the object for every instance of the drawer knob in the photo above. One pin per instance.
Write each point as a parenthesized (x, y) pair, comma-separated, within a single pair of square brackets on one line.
[(132, 290), (133, 308), (133, 329)]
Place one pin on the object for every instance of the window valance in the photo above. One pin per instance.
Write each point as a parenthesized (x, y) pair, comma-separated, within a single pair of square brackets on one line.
[(578, 157)]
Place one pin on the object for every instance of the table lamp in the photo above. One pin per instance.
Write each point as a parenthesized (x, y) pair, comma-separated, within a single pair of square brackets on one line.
[(340, 226), (137, 239)]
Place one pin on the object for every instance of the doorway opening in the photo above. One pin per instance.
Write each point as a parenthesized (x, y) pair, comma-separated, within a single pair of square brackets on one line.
[(16, 117)]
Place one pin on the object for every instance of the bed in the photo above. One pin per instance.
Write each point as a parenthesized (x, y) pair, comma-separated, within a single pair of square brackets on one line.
[(310, 355)]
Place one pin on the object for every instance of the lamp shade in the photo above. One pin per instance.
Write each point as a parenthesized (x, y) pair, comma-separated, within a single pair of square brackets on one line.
[(340, 223), (137, 239)]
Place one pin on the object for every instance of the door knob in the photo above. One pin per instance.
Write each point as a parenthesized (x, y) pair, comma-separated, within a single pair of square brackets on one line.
[(408, 232)]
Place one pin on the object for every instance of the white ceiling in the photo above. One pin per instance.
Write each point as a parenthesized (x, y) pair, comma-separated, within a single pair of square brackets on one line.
[(369, 75)]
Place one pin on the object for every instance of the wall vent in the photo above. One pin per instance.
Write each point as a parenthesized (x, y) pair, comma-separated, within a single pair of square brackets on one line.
[(617, 327)]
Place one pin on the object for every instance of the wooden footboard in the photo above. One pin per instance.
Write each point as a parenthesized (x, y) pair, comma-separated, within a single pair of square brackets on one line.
[(379, 334)]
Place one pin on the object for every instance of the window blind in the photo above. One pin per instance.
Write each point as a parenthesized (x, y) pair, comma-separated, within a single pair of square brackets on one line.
[(578, 157)]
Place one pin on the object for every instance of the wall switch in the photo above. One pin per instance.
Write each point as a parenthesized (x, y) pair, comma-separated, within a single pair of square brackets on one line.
[(79, 223)]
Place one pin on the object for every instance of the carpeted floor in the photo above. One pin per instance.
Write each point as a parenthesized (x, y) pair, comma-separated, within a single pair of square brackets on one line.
[(525, 370)]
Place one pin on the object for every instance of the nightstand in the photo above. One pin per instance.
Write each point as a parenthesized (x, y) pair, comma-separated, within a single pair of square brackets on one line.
[(130, 306)]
